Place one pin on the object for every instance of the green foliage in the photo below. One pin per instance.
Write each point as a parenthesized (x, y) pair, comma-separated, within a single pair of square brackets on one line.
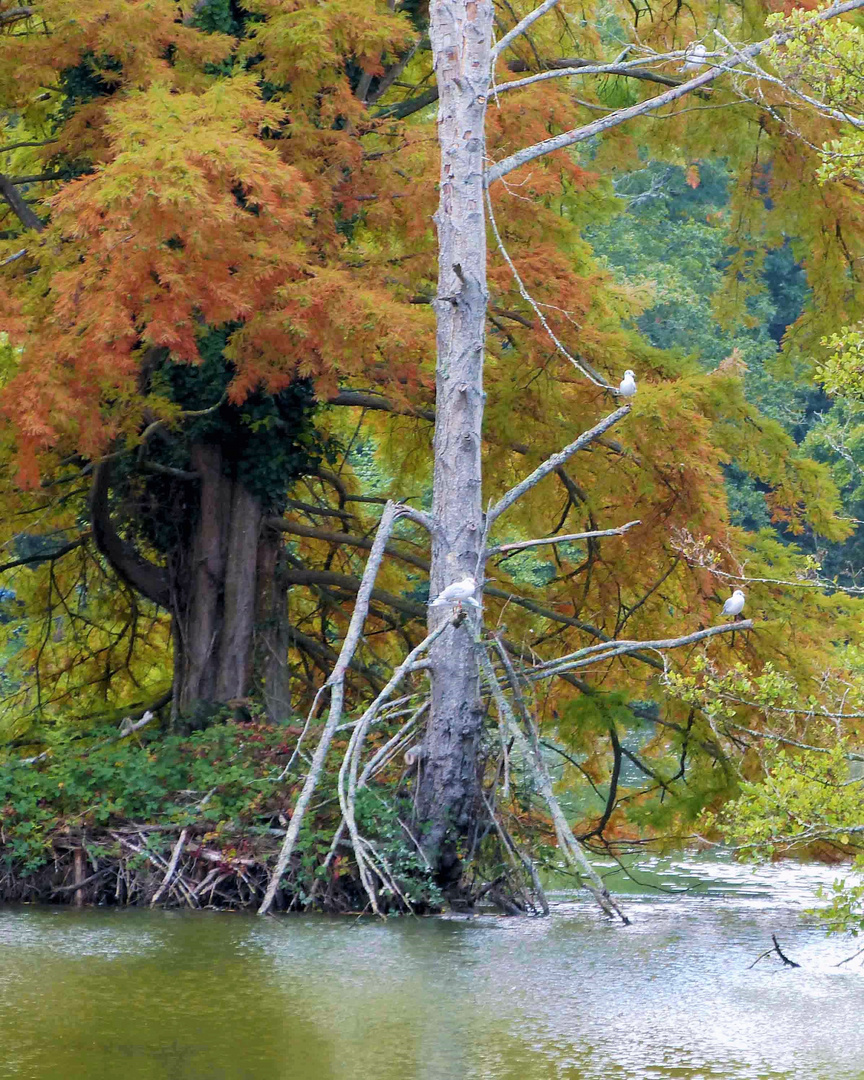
[(844, 911), (806, 797), (381, 820), (593, 714), (672, 239), (166, 780), (218, 17), (837, 439), (843, 370), (268, 441)]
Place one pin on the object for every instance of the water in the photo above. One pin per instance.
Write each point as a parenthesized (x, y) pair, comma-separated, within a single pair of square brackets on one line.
[(139, 995)]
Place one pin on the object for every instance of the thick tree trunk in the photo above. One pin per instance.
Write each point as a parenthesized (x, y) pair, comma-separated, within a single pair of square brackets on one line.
[(461, 33), (198, 609), (272, 638), (219, 586), (235, 647), (216, 594)]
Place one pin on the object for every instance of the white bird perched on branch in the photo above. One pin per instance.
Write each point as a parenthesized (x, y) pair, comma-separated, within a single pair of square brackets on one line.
[(627, 386), (735, 604), (457, 593), (694, 57)]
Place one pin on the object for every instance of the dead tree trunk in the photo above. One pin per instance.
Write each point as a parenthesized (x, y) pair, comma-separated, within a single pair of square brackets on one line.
[(461, 33)]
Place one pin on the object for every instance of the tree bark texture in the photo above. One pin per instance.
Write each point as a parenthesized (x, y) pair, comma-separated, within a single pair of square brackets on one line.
[(216, 593), (448, 790), (272, 630), (219, 586)]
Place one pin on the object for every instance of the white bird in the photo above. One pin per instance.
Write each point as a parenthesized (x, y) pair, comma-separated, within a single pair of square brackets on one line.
[(735, 604), (457, 593), (694, 57), (627, 386)]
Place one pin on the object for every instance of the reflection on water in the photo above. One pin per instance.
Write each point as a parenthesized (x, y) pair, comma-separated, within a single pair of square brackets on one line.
[(139, 995)]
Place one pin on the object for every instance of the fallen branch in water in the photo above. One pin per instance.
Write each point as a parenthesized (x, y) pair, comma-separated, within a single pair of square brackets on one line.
[(848, 958), (529, 750), (775, 949)]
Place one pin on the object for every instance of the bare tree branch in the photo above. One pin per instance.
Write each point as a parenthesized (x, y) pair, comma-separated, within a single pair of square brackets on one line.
[(595, 654), (520, 27), (351, 760), (172, 867), (47, 556), (555, 461), (350, 584), (621, 116), (336, 684), (570, 66), (367, 400), (14, 257), (9, 147), (530, 752), (392, 73), (16, 201), (401, 109), (296, 529), (15, 15), (142, 575), (501, 549), (579, 363), (36, 178), (325, 658)]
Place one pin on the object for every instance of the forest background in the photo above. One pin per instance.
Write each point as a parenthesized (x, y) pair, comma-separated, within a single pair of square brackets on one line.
[(218, 365)]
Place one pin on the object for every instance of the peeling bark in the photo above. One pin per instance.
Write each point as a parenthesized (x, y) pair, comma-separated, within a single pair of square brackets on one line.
[(448, 789)]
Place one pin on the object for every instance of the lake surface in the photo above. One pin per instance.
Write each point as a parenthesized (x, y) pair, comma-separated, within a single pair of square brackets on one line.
[(140, 995)]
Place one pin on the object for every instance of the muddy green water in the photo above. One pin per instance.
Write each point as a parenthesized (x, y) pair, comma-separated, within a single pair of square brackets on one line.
[(139, 995)]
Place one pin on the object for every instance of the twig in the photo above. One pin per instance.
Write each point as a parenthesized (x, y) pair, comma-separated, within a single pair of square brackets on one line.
[(580, 365), (776, 949), (848, 958), (87, 881)]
